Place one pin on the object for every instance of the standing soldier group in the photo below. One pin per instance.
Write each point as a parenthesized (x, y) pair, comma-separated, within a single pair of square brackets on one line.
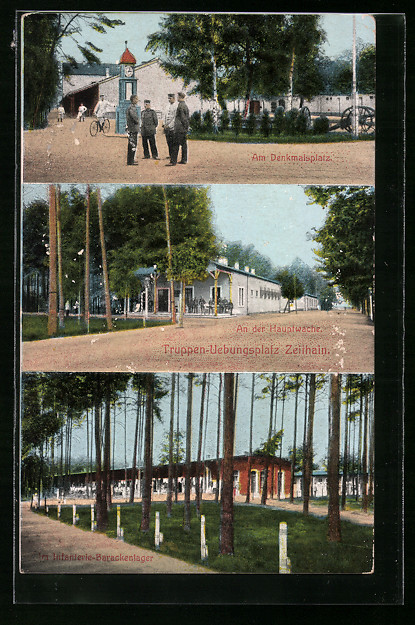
[(176, 126)]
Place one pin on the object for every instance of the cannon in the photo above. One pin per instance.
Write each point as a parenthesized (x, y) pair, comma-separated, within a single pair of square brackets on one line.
[(365, 120)]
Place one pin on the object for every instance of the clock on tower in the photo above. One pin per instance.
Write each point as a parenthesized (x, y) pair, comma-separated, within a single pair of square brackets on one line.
[(127, 87)]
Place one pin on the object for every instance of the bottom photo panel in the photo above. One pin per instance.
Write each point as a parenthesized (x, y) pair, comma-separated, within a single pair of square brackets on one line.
[(147, 473)]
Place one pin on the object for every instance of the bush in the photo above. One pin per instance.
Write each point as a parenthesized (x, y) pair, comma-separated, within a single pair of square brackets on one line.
[(250, 124), (207, 122), (321, 125), (266, 124), (236, 123), (196, 122), (224, 121), (291, 121), (278, 124), (302, 123)]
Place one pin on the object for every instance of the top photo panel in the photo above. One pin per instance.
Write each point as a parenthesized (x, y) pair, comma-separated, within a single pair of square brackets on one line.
[(204, 98)]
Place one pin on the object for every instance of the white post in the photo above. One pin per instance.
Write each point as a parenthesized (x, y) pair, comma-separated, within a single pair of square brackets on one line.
[(120, 532), (74, 514), (59, 510), (157, 531), (284, 564), (203, 546), (92, 518)]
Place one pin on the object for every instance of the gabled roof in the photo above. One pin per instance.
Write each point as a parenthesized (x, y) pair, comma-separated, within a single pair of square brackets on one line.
[(91, 69), (230, 269)]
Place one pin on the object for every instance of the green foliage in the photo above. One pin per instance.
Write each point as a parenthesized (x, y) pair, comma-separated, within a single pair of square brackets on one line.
[(135, 232), (366, 70), (255, 542), (270, 446), (196, 122), (279, 120), (301, 123), (321, 125), (236, 122), (346, 244), (178, 448), (266, 124), (290, 122), (247, 255), (35, 327), (207, 122), (291, 287), (41, 68), (250, 124), (224, 121), (44, 37)]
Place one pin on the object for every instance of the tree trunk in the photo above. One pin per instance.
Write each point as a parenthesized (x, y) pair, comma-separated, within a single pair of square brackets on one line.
[(291, 81), (107, 451), (294, 453), (251, 425), (102, 512), (199, 449), (264, 494), (171, 431), (53, 295), (188, 452), (148, 469), (134, 463), (218, 440), (59, 250), (334, 527), (364, 460), (226, 527), (104, 264), (87, 254), (308, 451), (346, 446)]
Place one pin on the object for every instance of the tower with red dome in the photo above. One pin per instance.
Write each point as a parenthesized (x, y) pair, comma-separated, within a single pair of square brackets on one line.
[(126, 88)]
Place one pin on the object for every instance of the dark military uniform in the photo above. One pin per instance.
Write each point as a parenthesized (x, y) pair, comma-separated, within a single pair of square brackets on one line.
[(149, 124), (133, 125)]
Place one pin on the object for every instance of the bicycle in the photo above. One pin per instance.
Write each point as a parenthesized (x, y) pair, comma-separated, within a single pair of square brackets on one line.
[(96, 127)]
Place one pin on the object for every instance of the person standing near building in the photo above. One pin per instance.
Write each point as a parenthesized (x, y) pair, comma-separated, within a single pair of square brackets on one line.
[(181, 128), (149, 124), (101, 110), (61, 113), (133, 125), (81, 112), (168, 122)]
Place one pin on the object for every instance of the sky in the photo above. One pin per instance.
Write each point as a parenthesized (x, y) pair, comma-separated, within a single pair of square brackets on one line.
[(338, 27), (261, 421), (275, 219)]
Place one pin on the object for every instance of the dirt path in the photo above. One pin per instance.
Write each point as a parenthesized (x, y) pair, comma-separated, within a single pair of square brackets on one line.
[(311, 341), (67, 153), (48, 546)]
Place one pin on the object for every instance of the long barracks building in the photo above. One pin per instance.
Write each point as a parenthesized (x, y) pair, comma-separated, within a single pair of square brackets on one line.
[(225, 290)]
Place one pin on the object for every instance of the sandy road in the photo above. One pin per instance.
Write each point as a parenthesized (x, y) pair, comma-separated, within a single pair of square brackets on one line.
[(313, 341), (67, 153), (48, 546)]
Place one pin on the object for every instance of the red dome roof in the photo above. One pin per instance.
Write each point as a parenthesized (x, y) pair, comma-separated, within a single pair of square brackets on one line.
[(127, 57)]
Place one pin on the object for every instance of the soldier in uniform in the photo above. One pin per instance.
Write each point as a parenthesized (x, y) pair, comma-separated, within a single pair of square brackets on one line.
[(133, 125), (149, 124), (181, 128)]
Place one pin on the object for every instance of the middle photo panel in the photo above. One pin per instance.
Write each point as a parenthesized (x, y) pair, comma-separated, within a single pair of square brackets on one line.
[(130, 278)]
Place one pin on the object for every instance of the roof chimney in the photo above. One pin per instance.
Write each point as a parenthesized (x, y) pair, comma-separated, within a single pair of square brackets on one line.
[(236, 265), (247, 269), (223, 260), (253, 270)]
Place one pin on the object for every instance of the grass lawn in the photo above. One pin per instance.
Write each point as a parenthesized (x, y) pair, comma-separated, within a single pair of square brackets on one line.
[(230, 137), (35, 327), (255, 538)]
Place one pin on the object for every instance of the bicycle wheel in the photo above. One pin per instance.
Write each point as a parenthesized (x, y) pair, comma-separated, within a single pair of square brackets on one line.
[(106, 126), (93, 129)]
